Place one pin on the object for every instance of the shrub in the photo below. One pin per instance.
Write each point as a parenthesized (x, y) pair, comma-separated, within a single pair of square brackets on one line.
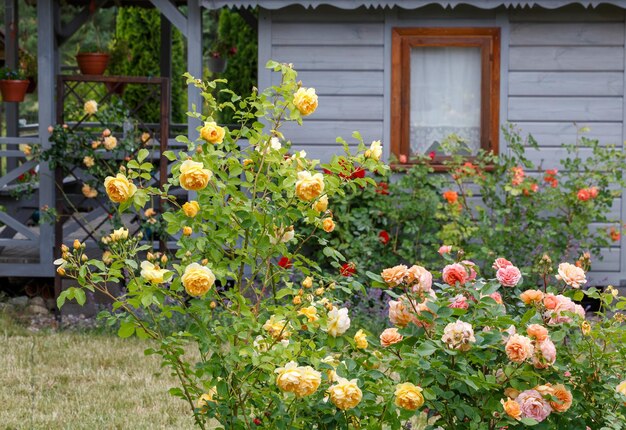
[(278, 350)]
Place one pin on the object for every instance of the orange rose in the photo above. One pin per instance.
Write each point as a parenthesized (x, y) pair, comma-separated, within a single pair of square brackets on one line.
[(550, 301), (564, 398), (451, 196), (537, 331), (394, 276), (390, 336), (512, 408), (531, 296)]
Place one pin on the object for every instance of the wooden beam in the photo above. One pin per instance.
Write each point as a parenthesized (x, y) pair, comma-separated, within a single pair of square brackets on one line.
[(194, 63), (47, 56), (173, 15), (69, 29), (11, 53)]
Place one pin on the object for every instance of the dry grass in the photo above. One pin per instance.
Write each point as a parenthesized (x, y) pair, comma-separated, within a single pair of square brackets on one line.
[(83, 381)]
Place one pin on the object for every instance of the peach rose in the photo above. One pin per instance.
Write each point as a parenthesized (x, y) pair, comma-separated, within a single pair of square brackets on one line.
[(572, 275), (509, 276), (422, 278), (511, 408), (394, 276), (497, 297), (328, 225), (531, 296), (455, 273), (400, 312), (470, 267), (537, 331), (390, 336), (519, 348)]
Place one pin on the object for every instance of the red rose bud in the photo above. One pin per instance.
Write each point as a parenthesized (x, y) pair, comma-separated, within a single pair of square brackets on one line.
[(431, 155), (284, 262), (382, 188), (348, 269), (257, 421), (384, 237)]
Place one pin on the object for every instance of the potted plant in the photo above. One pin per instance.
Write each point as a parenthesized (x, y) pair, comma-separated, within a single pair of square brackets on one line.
[(218, 56), (13, 85), (92, 59)]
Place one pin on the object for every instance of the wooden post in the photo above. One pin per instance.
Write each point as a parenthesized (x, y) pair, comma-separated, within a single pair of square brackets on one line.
[(11, 49), (194, 62), (47, 66)]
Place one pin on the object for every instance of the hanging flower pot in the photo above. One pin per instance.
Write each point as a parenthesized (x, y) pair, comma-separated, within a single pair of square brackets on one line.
[(92, 63), (13, 90), (217, 64)]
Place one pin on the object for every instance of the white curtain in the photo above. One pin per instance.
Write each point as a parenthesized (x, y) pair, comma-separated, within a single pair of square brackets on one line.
[(445, 96)]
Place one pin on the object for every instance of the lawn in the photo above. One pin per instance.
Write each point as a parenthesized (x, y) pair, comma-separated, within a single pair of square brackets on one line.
[(70, 380)]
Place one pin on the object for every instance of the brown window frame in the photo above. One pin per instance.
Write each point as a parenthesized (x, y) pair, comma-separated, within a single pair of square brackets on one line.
[(403, 39)]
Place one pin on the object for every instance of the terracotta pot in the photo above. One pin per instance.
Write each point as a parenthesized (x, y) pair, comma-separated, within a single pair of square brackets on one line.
[(217, 65), (92, 63), (13, 91), (115, 87)]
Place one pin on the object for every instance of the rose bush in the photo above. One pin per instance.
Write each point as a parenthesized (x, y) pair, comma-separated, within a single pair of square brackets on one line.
[(267, 341)]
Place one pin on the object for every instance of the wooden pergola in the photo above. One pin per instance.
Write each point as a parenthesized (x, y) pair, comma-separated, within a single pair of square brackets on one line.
[(51, 35)]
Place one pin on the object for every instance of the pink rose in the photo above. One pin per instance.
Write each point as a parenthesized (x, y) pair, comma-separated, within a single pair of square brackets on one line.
[(469, 265), (454, 273), (533, 405), (458, 302), (545, 354), (500, 263), (509, 276), (567, 374), (444, 249), (497, 297)]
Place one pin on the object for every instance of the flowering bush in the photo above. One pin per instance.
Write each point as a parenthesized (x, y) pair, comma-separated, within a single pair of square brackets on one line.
[(277, 349), (489, 206)]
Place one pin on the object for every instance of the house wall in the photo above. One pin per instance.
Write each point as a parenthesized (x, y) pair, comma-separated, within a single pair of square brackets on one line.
[(558, 67)]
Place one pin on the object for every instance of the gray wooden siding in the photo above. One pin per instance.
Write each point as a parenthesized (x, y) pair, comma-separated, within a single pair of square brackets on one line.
[(340, 54), (565, 72), (559, 67)]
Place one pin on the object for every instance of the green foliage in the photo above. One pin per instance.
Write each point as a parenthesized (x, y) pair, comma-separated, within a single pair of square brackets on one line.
[(241, 72), (139, 31)]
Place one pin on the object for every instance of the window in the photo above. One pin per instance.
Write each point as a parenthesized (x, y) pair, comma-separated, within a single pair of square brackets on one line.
[(445, 81)]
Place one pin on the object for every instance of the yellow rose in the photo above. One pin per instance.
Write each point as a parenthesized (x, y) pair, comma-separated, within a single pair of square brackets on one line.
[(511, 408), (305, 101), (309, 186), (345, 394), (203, 401), (107, 257), (191, 208), (193, 175), (409, 396), (26, 149), (321, 204), (187, 231), (91, 107), (375, 151), (212, 133), (585, 327), (88, 161), (360, 339), (300, 380), (119, 188), (310, 312), (328, 224), (110, 142), (307, 282), (621, 388), (197, 279), (154, 274), (119, 234), (145, 138), (276, 328)]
